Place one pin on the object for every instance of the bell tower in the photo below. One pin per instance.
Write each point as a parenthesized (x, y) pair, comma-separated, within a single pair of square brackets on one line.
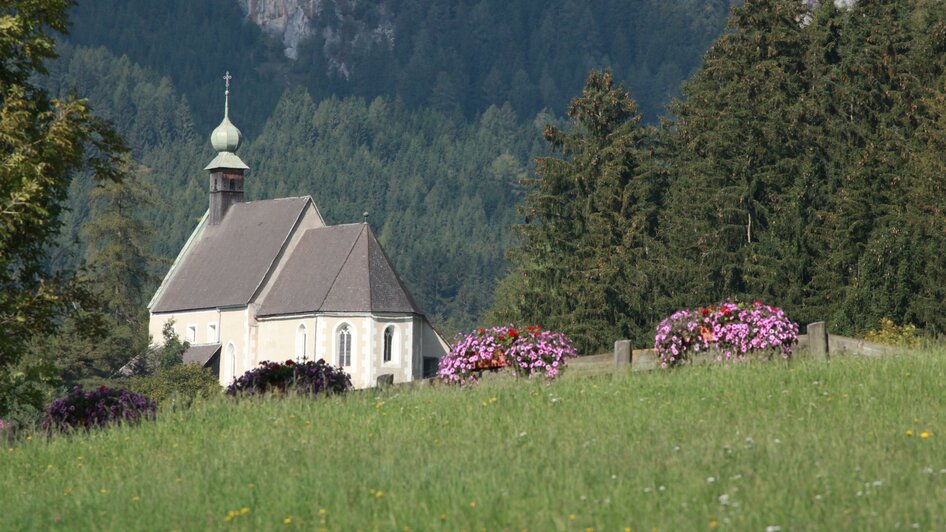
[(226, 169)]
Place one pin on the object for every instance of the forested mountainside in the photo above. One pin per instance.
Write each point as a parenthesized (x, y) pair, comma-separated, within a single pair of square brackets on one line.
[(427, 123), (457, 56)]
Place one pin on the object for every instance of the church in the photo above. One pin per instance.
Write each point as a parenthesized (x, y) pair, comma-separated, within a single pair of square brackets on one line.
[(269, 280)]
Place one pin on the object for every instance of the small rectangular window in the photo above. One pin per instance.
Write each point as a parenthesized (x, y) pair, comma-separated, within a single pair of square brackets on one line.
[(211, 333), (191, 334)]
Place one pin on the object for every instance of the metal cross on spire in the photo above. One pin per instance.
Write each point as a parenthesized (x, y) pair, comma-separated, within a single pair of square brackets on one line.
[(226, 106)]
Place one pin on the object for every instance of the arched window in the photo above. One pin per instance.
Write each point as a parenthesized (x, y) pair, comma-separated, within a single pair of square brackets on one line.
[(302, 341), (388, 343), (343, 345), (230, 363)]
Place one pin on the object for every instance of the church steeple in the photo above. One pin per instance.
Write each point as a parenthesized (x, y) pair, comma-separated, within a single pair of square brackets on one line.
[(226, 169)]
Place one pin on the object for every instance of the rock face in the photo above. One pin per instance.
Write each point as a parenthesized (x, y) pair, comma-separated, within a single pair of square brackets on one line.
[(344, 25), (287, 18)]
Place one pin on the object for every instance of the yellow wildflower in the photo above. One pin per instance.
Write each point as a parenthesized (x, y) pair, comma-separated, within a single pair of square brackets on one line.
[(714, 524), (135, 498), (287, 520), (924, 435)]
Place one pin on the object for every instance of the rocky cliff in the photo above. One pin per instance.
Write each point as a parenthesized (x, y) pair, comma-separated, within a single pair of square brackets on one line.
[(343, 25)]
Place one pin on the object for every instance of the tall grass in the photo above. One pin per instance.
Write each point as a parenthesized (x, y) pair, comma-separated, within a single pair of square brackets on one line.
[(797, 445)]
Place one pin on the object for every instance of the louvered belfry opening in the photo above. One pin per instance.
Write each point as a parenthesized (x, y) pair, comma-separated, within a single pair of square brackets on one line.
[(226, 188)]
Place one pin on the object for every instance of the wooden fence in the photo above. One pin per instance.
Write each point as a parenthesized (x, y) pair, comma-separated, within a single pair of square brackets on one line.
[(817, 343)]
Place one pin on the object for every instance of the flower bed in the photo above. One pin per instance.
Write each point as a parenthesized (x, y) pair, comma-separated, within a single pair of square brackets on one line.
[(734, 331), (310, 378), (529, 351), (97, 408)]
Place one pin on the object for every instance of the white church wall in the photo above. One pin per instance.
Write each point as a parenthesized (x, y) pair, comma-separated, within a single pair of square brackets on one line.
[(417, 348), (360, 328), (233, 331), (278, 339), (433, 345), (367, 346), (199, 319), (400, 364)]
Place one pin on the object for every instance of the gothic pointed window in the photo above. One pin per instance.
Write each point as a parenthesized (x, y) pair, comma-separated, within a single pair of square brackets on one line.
[(230, 363), (388, 343), (343, 346), (302, 340)]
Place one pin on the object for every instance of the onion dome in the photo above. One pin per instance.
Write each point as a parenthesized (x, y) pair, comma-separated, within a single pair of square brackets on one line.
[(226, 137)]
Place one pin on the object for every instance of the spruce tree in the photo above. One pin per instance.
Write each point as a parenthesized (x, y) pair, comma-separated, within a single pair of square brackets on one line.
[(587, 217), (735, 156)]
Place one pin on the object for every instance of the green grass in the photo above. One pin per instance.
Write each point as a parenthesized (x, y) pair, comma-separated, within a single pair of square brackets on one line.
[(802, 445)]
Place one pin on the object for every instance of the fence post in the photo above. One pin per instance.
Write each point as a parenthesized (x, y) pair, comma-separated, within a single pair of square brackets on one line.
[(818, 340), (622, 354)]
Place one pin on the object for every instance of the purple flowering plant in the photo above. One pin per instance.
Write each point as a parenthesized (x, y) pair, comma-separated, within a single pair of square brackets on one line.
[(529, 351), (733, 331), (311, 378), (99, 407)]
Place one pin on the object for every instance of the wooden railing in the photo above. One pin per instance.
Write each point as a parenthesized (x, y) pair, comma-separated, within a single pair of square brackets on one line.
[(817, 343)]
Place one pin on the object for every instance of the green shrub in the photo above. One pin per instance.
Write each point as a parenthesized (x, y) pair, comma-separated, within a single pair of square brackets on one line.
[(181, 383), (24, 391), (888, 332)]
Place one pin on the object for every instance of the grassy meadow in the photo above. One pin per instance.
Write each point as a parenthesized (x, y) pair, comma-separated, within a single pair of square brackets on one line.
[(849, 444)]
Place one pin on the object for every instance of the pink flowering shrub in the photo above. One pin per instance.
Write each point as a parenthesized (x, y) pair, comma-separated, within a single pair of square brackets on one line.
[(733, 331), (529, 351)]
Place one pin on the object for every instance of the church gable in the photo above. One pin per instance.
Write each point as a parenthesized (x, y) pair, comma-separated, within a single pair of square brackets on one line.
[(230, 260)]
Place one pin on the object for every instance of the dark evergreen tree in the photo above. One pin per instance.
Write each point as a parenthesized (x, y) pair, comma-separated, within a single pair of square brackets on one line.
[(736, 155), (588, 218)]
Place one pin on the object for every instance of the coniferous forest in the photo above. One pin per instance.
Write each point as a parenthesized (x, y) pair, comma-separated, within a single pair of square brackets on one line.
[(589, 168), (802, 165)]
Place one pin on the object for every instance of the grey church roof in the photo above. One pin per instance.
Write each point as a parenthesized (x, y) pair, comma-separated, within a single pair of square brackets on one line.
[(200, 353), (231, 260), (339, 268)]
